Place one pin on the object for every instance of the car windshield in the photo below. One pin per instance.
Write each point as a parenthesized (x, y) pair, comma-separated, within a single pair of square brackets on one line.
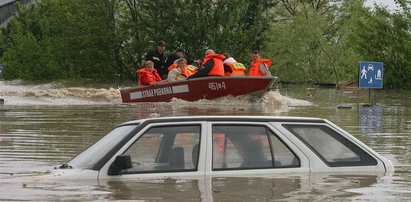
[(96, 151)]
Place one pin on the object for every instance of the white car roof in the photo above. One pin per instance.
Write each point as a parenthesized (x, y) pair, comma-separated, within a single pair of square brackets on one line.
[(229, 118)]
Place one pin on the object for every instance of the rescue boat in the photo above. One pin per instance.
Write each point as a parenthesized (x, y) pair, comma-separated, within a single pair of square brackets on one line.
[(200, 88)]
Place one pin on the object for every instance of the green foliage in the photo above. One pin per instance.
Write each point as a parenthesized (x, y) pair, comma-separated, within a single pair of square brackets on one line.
[(382, 36), (307, 43), (318, 41), (59, 39), (195, 25)]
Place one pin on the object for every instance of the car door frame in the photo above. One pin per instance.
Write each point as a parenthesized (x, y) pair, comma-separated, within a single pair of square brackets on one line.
[(304, 161), (180, 174)]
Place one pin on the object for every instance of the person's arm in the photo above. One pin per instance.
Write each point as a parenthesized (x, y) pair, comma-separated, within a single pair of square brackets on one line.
[(149, 56), (227, 69), (162, 64), (170, 60), (264, 69), (203, 71), (172, 74)]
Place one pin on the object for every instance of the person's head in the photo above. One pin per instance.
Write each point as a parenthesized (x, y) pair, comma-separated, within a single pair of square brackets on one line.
[(161, 46), (209, 52), (196, 63), (182, 62), (228, 58), (255, 55), (180, 53), (149, 65)]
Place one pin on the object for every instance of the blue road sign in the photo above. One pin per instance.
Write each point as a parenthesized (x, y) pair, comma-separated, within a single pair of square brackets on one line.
[(370, 74)]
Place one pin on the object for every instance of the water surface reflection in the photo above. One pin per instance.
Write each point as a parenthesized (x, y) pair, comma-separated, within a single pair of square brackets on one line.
[(290, 188), (33, 138)]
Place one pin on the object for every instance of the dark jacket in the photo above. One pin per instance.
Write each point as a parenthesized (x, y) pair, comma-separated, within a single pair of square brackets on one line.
[(158, 60), (203, 70), (211, 63)]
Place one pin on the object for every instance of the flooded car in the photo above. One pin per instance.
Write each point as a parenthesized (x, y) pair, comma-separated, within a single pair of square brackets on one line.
[(224, 146)]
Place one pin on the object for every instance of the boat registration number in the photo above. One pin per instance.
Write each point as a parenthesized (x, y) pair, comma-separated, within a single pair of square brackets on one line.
[(217, 85)]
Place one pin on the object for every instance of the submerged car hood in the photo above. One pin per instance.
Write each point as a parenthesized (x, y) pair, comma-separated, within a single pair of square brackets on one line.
[(70, 173)]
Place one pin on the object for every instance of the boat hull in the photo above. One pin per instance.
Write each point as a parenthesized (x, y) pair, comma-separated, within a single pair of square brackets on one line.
[(196, 89)]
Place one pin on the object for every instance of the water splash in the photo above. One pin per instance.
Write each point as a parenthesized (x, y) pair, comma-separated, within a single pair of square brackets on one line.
[(275, 98), (54, 94)]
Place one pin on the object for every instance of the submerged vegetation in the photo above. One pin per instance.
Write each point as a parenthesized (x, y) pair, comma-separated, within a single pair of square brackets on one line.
[(319, 41)]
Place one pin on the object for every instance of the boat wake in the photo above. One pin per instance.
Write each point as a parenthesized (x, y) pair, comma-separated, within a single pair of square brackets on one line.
[(14, 93)]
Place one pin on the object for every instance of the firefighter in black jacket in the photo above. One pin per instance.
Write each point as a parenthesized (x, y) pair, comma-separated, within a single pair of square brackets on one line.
[(158, 57)]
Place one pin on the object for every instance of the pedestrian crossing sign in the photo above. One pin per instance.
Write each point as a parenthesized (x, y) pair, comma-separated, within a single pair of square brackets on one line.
[(370, 74)]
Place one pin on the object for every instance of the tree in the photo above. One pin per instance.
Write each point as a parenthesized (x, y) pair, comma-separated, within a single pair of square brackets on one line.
[(233, 26), (318, 41), (378, 35), (307, 43), (62, 39)]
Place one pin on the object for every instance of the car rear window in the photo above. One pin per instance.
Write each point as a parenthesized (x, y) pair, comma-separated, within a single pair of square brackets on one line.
[(334, 149)]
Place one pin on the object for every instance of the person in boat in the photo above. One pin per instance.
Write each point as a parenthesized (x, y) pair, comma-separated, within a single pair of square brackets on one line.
[(171, 59), (158, 57), (212, 65), (259, 67), (232, 67), (196, 63), (148, 75), (180, 70)]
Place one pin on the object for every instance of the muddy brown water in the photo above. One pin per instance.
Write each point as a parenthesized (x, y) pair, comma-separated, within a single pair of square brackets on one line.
[(42, 126)]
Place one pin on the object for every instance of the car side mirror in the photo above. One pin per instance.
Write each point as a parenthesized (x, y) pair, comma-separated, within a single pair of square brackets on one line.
[(120, 163)]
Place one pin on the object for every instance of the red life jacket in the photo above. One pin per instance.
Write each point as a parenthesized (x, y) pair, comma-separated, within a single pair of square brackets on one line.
[(147, 77), (218, 68), (236, 69), (255, 67)]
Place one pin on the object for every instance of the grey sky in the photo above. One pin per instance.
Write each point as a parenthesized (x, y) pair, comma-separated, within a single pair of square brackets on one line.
[(389, 3)]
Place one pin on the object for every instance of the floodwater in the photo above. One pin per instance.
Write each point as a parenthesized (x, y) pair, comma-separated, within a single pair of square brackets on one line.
[(42, 126)]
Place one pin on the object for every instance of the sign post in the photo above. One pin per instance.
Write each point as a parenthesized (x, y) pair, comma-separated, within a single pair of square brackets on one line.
[(2, 68), (370, 75)]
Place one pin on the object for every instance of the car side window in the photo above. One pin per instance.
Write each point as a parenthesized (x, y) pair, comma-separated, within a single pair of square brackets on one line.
[(249, 147), (333, 148), (165, 149), (283, 156)]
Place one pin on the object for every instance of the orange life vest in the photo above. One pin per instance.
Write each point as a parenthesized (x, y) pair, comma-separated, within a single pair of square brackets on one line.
[(188, 71), (185, 73), (236, 68), (147, 77), (255, 67), (171, 67), (218, 68)]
